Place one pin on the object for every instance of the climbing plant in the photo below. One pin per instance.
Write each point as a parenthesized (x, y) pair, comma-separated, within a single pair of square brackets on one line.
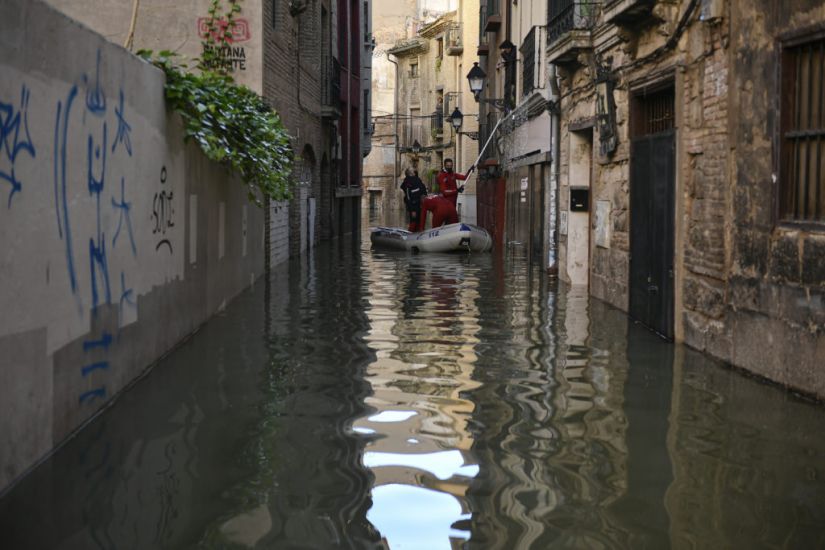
[(219, 27), (232, 125)]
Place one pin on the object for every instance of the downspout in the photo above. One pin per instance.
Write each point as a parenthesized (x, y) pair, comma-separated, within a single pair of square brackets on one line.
[(396, 174), (555, 170)]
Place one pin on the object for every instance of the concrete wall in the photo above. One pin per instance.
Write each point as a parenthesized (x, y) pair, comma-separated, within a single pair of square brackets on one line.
[(118, 240)]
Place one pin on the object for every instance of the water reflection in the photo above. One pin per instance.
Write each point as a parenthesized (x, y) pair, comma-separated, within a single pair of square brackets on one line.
[(368, 400), (423, 319)]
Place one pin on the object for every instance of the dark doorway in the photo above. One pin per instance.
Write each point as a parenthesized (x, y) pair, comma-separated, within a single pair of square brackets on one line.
[(652, 182)]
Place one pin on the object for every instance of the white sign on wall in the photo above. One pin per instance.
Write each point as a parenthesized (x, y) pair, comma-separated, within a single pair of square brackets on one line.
[(603, 223), (563, 222)]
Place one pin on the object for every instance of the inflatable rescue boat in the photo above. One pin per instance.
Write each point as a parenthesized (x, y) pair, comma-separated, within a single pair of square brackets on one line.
[(447, 238)]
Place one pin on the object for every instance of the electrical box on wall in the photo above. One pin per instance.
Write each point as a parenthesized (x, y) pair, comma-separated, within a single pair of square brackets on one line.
[(579, 199)]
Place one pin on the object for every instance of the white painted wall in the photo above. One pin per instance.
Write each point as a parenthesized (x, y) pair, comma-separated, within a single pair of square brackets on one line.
[(578, 223)]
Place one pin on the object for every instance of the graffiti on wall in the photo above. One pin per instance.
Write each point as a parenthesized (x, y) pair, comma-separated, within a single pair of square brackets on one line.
[(15, 140), (91, 231), (163, 213), (227, 52)]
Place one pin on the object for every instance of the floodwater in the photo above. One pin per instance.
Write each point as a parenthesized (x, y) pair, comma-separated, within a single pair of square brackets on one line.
[(367, 400)]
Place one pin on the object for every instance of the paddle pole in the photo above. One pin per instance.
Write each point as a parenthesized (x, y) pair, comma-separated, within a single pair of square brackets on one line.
[(489, 139)]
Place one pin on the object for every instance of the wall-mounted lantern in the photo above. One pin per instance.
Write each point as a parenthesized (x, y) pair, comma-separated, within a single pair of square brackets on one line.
[(606, 111), (456, 119)]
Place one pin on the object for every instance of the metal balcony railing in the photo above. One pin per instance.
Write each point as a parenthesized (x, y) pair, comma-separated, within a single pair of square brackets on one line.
[(455, 44), (331, 82), (528, 68), (564, 16)]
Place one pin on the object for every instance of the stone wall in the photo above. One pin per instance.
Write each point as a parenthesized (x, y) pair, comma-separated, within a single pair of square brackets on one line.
[(118, 241), (775, 301), (749, 288)]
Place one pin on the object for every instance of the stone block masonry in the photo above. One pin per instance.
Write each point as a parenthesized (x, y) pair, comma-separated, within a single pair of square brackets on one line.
[(118, 240)]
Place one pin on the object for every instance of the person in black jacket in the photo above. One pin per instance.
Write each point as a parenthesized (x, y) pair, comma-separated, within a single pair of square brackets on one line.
[(414, 191)]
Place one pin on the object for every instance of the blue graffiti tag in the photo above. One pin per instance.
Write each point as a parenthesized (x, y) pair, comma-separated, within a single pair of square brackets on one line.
[(11, 142), (97, 247), (100, 365), (104, 342), (126, 296), (97, 393), (95, 98), (124, 208), (123, 129), (61, 138)]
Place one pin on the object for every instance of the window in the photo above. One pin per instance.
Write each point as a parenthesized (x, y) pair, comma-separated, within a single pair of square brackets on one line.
[(528, 69), (366, 21), (802, 127), (440, 51), (414, 69)]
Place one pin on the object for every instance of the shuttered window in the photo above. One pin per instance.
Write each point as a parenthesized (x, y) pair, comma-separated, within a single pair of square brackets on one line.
[(802, 145)]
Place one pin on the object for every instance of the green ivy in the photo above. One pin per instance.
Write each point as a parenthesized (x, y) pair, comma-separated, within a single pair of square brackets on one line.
[(232, 125)]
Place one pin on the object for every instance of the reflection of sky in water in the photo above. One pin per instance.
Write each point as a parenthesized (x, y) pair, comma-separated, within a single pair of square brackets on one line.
[(367, 431), (392, 416), (415, 517), (442, 465)]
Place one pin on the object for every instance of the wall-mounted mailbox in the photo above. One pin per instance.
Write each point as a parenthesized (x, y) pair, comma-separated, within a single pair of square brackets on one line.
[(579, 199)]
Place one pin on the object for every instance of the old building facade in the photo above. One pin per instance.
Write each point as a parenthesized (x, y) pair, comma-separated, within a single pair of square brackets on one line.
[(518, 199), (420, 86), (690, 186)]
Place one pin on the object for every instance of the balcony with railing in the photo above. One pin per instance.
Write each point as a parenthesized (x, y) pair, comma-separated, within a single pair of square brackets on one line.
[(528, 66), (437, 125), (330, 87), (492, 21), (483, 42), (627, 12), (454, 41), (569, 24)]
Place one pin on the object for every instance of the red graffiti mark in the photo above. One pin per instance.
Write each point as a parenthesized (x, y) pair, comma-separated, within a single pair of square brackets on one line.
[(240, 30)]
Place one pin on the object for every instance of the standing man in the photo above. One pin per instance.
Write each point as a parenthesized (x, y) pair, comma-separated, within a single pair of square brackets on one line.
[(447, 181), (414, 190)]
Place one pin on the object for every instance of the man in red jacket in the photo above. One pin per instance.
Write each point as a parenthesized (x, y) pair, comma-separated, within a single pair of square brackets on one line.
[(442, 209), (447, 181)]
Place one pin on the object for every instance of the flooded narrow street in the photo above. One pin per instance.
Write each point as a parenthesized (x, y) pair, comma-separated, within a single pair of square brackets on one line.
[(365, 399)]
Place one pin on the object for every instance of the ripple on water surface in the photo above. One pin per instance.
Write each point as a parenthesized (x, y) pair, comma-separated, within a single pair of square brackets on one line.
[(362, 399)]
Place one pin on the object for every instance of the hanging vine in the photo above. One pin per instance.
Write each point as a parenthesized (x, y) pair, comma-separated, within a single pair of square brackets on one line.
[(232, 125), (219, 29)]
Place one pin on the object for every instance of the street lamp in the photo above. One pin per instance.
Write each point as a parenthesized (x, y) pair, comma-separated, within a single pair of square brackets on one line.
[(476, 78), (456, 119)]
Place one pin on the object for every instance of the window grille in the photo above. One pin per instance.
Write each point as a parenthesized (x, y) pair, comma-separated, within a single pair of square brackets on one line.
[(802, 144)]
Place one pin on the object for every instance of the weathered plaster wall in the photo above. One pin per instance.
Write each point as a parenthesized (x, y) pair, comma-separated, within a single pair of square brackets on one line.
[(749, 290), (178, 26), (118, 241), (775, 301)]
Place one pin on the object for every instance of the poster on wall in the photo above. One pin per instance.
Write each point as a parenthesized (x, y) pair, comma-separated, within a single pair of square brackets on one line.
[(563, 222)]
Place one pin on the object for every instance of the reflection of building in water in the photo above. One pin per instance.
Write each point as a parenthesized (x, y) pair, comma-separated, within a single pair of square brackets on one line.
[(748, 462), (550, 430), (423, 325)]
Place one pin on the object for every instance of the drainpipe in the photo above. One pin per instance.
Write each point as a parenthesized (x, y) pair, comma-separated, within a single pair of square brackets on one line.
[(555, 170), (396, 174)]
